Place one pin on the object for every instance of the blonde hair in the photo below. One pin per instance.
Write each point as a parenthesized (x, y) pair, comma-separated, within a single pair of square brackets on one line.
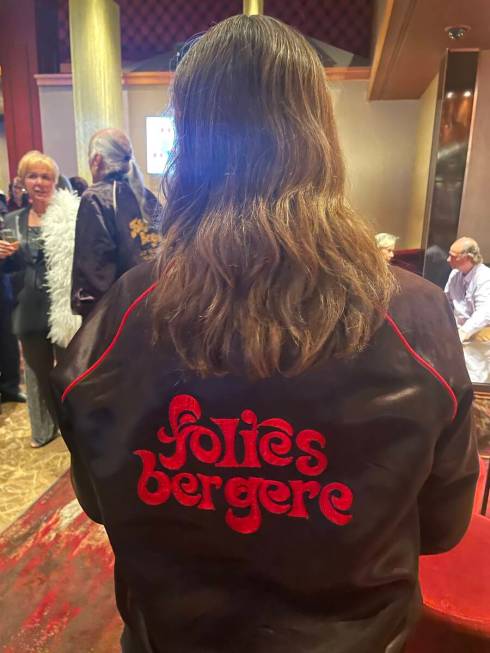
[(264, 267), (33, 158), (386, 241)]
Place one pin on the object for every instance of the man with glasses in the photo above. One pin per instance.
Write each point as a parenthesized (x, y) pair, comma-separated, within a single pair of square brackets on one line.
[(468, 292)]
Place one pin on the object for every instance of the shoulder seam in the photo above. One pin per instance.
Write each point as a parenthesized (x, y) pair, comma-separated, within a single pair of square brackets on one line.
[(112, 344), (394, 326)]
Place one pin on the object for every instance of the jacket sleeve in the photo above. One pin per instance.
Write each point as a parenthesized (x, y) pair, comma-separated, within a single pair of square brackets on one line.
[(87, 346), (94, 261), (80, 477), (481, 315), (91, 339), (14, 263), (446, 500)]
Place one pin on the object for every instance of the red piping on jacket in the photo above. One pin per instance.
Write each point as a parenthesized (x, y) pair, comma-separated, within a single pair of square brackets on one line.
[(135, 303), (106, 353), (424, 363)]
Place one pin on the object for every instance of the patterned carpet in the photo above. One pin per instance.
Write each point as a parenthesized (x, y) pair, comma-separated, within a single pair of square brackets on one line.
[(25, 473), (56, 585)]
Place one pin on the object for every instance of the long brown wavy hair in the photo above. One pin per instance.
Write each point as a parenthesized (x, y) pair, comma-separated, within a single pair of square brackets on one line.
[(262, 260)]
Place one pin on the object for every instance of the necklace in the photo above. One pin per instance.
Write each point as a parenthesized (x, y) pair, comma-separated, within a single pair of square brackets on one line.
[(35, 218)]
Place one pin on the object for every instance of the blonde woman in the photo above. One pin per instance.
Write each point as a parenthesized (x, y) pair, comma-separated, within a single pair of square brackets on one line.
[(386, 243), (268, 450), (26, 260)]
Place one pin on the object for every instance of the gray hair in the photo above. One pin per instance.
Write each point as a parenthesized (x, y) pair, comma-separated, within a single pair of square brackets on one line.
[(116, 151), (472, 250), (385, 241)]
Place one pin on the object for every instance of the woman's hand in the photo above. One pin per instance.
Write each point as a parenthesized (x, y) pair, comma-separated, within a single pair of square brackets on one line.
[(7, 249)]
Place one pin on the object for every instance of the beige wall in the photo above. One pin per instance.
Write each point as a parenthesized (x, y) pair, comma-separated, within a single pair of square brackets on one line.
[(58, 123), (144, 101), (58, 127), (474, 219), (378, 139), (415, 223)]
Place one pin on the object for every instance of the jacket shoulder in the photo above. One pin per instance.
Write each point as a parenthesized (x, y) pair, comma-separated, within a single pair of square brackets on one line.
[(10, 218), (419, 307), (101, 190), (104, 325), (412, 287), (425, 322), (485, 272)]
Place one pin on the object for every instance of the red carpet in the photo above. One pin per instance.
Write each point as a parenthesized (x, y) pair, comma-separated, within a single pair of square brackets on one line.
[(56, 580)]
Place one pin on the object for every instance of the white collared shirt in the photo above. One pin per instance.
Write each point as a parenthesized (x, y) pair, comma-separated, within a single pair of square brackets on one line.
[(469, 296)]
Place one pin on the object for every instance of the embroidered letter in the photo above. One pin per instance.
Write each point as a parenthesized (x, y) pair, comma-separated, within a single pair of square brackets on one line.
[(208, 482), (184, 488), (158, 479), (242, 493), (273, 494), (336, 497), (249, 436), (183, 410), (277, 443), (201, 435), (300, 489), (316, 461), (228, 428)]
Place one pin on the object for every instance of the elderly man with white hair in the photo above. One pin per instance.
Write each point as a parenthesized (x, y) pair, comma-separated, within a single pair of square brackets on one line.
[(468, 292)]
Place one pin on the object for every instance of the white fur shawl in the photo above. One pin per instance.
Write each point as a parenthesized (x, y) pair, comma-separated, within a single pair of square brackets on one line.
[(58, 233)]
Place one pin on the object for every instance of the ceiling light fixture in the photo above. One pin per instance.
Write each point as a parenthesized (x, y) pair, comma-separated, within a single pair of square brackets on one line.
[(456, 32)]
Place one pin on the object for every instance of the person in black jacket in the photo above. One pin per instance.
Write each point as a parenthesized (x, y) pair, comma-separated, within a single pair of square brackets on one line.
[(115, 223), (3, 204), (9, 347), (271, 423)]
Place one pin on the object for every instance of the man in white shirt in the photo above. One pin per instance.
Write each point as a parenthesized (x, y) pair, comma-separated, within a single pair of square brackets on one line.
[(468, 292)]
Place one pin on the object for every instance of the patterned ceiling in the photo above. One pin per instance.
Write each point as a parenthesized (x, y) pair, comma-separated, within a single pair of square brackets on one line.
[(149, 27)]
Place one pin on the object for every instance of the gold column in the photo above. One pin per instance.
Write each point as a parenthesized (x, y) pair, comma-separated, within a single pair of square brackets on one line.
[(95, 43), (252, 7)]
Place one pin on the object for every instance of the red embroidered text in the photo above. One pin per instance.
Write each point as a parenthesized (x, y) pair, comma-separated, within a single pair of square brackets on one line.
[(236, 443)]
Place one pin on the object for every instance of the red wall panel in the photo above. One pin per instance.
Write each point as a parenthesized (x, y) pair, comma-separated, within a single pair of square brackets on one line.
[(18, 58)]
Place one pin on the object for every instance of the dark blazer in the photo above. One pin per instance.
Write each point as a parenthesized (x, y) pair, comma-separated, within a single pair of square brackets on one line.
[(27, 275), (284, 515)]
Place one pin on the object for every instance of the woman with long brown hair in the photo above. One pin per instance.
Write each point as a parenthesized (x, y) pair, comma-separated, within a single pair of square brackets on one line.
[(267, 446)]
